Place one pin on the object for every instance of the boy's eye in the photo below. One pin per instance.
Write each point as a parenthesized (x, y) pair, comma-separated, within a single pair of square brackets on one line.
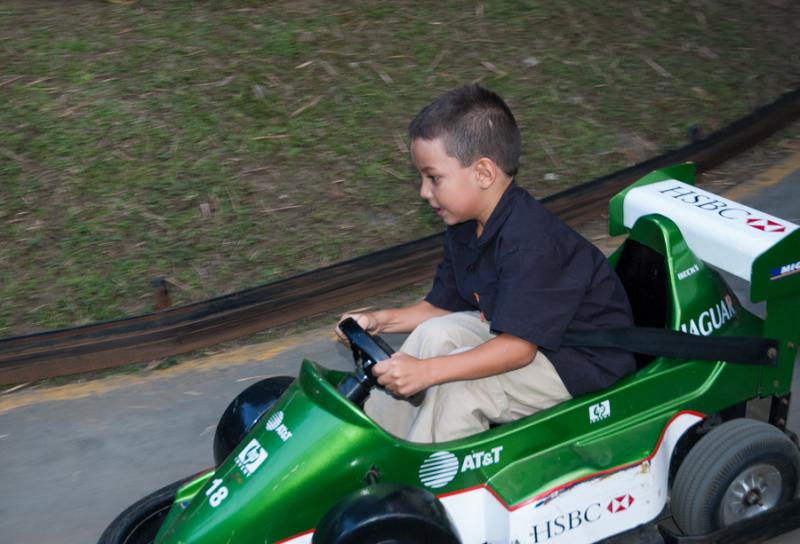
[(434, 179)]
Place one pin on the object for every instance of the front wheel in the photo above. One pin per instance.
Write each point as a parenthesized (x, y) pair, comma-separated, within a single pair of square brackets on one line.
[(140, 522), (244, 411), (739, 470), (387, 514)]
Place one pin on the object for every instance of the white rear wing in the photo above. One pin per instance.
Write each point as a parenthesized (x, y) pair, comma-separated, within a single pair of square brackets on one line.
[(721, 232)]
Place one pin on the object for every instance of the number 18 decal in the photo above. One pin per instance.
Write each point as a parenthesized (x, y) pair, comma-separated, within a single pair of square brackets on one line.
[(216, 493)]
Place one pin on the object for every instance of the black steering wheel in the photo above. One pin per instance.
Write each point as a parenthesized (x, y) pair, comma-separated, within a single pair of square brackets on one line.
[(368, 351)]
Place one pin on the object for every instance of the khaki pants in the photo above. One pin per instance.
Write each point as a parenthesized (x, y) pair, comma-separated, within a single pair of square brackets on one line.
[(458, 409)]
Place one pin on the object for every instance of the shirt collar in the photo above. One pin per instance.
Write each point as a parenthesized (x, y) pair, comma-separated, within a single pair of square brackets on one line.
[(498, 215), (465, 232)]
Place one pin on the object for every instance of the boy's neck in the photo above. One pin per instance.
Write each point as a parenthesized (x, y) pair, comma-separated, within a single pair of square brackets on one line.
[(492, 198)]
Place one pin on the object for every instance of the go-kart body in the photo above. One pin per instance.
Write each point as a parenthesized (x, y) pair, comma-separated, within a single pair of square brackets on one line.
[(587, 469)]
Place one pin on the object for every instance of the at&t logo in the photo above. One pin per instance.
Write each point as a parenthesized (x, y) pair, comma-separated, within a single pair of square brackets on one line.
[(438, 469), (275, 423)]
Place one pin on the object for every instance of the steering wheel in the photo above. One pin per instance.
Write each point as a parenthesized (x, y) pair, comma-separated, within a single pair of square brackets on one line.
[(368, 351)]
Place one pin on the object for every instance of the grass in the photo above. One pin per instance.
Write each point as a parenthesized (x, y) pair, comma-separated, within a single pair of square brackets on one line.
[(225, 144)]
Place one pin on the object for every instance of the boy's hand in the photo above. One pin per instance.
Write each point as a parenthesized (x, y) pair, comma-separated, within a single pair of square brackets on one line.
[(403, 374), (367, 321)]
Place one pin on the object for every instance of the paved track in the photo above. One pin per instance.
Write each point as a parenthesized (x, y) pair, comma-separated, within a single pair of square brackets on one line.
[(72, 457)]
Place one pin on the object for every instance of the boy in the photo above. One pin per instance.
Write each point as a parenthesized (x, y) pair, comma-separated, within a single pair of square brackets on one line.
[(485, 346)]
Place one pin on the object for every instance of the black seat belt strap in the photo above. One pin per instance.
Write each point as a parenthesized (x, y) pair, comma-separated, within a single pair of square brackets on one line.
[(749, 350)]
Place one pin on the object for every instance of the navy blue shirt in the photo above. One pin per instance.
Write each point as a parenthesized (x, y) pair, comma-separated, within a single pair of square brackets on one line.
[(534, 277)]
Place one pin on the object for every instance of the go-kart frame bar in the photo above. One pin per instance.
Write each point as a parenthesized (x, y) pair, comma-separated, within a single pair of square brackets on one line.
[(182, 329), (756, 529)]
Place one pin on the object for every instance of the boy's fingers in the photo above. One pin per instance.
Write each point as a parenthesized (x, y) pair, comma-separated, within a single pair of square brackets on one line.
[(342, 338), (380, 368), (342, 318), (361, 319)]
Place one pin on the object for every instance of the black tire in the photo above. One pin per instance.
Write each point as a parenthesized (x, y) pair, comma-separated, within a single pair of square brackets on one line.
[(387, 514), (738, 470), (140, 522), (244, 411)]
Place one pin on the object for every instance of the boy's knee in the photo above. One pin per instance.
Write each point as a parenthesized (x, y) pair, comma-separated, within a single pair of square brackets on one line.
[(462, 326), (452, 398), (456, 414), (433, 337), (437, 325)]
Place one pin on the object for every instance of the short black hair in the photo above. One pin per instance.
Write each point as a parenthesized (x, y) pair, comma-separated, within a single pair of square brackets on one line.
[(473, 122)]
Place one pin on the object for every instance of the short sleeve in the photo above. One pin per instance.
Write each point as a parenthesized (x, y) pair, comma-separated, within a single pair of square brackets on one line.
[(444, 293), (537, 296)]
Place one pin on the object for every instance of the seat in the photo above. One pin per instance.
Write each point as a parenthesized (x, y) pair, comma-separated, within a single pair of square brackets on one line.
[(643, 273)]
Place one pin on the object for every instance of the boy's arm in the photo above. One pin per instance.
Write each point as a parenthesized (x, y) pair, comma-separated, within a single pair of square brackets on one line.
[(403, 319), (407, 318), (405, 375)]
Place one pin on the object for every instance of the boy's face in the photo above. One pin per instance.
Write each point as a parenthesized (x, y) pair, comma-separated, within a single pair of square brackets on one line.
[(452, 190)]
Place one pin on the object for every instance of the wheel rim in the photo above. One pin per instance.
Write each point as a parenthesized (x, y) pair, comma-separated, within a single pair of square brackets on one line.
[(752, 492)]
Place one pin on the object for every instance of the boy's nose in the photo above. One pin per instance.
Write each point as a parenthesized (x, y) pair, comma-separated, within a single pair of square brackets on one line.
[(425, 190)]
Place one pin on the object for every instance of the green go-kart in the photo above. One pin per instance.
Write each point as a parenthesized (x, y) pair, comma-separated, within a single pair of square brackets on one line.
[(699, 440)]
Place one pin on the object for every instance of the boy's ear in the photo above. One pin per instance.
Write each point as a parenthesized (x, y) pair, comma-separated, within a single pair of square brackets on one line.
[(486, 172)]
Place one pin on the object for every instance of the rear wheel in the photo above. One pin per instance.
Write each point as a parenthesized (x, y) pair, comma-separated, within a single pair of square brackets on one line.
[(739, 470), (140, 522)]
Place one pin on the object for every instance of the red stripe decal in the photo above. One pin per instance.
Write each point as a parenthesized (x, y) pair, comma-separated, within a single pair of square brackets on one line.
[(298, 535)]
